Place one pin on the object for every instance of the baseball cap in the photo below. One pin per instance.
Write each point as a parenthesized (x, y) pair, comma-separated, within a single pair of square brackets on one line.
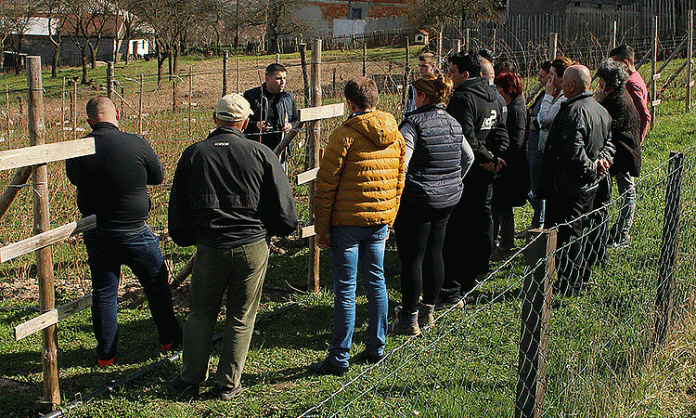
[(233, 108)]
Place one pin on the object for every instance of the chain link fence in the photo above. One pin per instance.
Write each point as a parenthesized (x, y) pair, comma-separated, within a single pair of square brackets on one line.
[(525, 349)]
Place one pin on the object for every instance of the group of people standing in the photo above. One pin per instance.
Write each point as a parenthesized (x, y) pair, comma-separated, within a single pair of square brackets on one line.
[(446, 178)]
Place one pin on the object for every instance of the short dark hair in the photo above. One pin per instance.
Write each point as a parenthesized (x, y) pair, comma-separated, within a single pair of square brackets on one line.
[(275, 68), (98, 106), (504, 65), (623, 52), (614, 73), (428, 57), (363, 92), (546, 66), (466, 61)]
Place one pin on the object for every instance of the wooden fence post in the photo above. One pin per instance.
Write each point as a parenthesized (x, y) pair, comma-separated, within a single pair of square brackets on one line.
[(614, 33), (62, 109), (457, 46), (73, 110), (7, 115), (536, 313), (553, 46), (467, 38), (364, 57), (305, 74), (689, 57), (140, 104), (314, 150), (653, 66), (407, 69), (225, 56), (174, 83), (668, 251), (109, 79), (238, 89), (44, 257), (190, 97)]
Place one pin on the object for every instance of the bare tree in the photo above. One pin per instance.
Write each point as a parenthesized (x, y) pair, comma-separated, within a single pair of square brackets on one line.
[(55, 18), (85, 22), (425, 13), (17, 15)]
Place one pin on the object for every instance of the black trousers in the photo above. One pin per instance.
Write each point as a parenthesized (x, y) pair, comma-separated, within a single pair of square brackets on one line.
[(420, 236), (469, 236), (565, 213)]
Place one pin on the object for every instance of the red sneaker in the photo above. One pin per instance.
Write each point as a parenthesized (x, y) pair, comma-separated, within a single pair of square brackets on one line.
[(105, 363)]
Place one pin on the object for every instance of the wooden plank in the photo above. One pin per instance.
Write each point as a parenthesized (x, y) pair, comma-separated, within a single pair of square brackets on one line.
[(656, 102), (307, 176), (42, 154), (45, 239), (321, 112), (51, 317), (307, 231)]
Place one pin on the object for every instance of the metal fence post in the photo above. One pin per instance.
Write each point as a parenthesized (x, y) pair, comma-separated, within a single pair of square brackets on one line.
[(536, 312), (668, 251)]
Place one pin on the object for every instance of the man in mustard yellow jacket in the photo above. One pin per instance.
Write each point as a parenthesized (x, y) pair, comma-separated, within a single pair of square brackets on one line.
[(358, 189)]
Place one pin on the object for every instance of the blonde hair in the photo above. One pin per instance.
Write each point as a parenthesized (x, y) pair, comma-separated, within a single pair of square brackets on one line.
[(437, 88)]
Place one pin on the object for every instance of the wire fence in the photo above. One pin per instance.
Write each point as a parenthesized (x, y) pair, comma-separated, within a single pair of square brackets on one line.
[(475, 362)]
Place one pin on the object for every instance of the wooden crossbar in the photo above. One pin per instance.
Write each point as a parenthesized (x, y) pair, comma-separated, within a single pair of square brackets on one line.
[(51, 317), (307, 231), (307, 176), (42, 154), (47, 238), (321, 112)]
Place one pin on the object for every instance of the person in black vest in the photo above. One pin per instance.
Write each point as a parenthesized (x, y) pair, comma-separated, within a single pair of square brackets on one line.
[(112, 184), (469, 237), (437, 158)]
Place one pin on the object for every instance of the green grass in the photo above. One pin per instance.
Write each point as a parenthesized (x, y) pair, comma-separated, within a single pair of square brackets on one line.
[(464, 366)]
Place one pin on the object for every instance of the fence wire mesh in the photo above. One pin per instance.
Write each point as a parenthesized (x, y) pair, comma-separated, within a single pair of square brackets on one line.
[(466, 365)]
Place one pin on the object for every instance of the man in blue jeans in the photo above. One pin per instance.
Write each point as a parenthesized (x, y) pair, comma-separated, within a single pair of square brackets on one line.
[(358, 190), (112, 184)]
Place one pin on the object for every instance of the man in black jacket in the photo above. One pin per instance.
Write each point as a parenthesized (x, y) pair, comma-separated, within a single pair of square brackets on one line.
[(229, 195), (112, 184), (469, 236), (577, 156), (275, 111)]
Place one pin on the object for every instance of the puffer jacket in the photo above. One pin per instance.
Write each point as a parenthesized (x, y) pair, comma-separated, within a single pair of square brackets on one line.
[(361, 175)]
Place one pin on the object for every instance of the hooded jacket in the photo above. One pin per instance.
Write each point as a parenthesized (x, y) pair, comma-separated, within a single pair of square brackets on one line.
[(361, 175), (475, 105)]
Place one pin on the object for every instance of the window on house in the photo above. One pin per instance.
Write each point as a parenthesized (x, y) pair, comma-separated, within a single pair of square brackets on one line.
[(356, 13)]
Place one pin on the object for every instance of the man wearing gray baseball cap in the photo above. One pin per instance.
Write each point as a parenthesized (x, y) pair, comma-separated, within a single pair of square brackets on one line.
[(229, 196)]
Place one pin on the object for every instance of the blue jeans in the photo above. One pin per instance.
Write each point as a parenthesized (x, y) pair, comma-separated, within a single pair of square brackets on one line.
[(353, 246), (621, 230), (107, 250)]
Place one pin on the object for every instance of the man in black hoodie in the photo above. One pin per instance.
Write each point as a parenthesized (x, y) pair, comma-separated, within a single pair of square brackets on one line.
[(469, 236)]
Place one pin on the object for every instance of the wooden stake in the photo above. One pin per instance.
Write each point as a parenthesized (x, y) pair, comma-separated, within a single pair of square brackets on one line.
[(140, 105), (62, 109), (7, 115), (364, 57), (110, 79), (305, 73), (73, 109), (653, 66), (314, 150), (190, 94), (612, 41), (553, 46), (44, 258), (225, 56), (689, 57)]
